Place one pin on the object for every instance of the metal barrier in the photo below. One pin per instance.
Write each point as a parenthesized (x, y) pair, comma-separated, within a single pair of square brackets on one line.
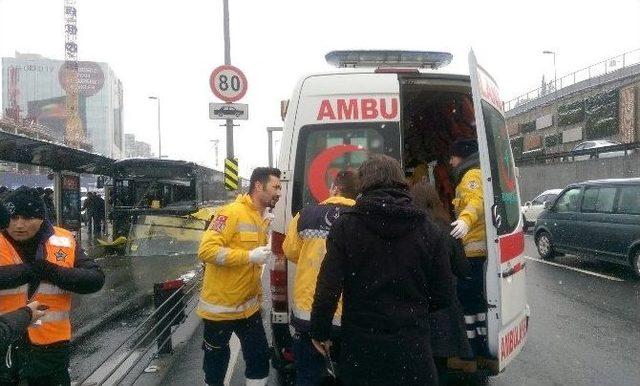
[(169, 312), (604, 67), (567, 156)]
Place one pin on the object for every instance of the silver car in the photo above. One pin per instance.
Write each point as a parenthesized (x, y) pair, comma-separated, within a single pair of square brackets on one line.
[(532, 209), (599, 143)]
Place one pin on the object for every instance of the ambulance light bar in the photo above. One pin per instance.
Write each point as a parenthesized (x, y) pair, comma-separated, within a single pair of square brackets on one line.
[(377, 59)]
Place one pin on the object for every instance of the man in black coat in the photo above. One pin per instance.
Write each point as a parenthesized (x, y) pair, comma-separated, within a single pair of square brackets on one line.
[(381, 256)]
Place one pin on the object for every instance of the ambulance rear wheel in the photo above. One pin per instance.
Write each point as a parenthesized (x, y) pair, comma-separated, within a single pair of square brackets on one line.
[(635, 262), (545, 246)]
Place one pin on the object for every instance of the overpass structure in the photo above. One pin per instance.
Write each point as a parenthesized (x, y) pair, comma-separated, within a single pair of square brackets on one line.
[(601, 101), (597, 102)]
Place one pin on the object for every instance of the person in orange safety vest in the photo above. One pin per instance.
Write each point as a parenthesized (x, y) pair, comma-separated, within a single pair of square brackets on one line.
[(43, 263)]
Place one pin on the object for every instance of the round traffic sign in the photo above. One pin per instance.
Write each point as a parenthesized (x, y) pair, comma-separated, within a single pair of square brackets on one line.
[(228, 83)]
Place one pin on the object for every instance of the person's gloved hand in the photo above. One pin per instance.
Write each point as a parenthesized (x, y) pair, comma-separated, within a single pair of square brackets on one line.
[(268, 216), (460, 229), (260, 255)]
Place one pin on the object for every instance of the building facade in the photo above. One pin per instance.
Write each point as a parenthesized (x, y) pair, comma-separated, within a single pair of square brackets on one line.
[(136, 149), (33, 92)]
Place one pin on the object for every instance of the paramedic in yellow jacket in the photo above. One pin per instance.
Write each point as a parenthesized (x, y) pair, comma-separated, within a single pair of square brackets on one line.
[(234, 249), (305, 246), (469, 226)]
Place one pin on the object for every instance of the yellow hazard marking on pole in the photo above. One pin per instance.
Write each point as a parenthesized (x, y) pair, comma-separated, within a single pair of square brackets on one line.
[(231, 174)]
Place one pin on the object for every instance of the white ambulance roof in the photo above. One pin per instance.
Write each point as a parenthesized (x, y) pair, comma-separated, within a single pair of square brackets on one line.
[(354, 82)]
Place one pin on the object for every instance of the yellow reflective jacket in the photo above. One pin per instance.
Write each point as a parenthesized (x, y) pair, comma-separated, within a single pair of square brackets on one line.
[(469, 207), (305, 246), (231, 288)]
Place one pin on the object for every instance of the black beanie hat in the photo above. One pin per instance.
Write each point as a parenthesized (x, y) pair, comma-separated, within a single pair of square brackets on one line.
[(463, 148), (26, 202)]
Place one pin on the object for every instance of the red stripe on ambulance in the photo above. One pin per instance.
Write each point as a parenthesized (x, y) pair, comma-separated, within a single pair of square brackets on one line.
[(511, 246), (513, 339), (358, 109)]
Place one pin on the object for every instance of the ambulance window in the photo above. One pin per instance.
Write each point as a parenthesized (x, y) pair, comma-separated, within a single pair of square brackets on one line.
[(324, 150), (502, 169)]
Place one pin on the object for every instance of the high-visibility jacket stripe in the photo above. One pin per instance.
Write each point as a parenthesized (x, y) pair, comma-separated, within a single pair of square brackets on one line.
[(245, 227), (306, 315), (221, 256), (220, 309), (15, 291), (50, 289), (474, 246), (55, 316)]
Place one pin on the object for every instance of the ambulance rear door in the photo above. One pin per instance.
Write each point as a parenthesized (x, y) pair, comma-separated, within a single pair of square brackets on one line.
[(507, 317)]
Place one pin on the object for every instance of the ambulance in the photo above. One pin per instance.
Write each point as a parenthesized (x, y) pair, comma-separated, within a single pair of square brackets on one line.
[(397, 103)]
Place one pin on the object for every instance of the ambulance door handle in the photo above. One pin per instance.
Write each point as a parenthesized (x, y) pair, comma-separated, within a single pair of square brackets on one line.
[(495, 216)]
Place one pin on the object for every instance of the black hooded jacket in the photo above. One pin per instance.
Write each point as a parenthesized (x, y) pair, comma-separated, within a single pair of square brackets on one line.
[(381, 255)]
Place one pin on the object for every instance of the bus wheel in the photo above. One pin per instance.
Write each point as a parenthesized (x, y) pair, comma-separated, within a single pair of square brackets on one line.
[(545, 246)]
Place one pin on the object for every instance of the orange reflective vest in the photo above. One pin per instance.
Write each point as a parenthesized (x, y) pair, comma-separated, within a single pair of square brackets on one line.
[(60, 249)]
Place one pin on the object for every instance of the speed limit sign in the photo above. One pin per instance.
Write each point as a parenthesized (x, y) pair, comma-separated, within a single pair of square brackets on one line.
[(228, 83)]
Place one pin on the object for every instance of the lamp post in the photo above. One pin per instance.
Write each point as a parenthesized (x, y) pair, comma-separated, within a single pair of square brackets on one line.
[(555, 77), (159, 137), (270, 131)]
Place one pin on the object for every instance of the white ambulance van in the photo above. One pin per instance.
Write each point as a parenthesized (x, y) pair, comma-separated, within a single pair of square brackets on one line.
[(398, 104)]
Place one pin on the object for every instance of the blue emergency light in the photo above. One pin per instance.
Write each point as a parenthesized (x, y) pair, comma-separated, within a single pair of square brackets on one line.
[(383, 58)]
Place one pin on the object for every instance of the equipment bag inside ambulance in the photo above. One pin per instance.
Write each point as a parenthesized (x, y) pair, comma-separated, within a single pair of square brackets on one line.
[(398, 104)]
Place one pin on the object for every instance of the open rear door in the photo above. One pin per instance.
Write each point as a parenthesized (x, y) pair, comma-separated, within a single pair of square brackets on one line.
[(507, 318)]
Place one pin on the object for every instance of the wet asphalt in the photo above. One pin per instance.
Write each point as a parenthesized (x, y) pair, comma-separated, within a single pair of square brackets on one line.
[(584, 329)]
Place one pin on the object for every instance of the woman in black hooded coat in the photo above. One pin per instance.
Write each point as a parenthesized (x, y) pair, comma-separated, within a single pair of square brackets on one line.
[(381, 258)]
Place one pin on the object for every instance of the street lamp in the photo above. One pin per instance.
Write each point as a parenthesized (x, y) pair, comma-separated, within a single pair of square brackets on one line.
[(159, 138), (555, 77)]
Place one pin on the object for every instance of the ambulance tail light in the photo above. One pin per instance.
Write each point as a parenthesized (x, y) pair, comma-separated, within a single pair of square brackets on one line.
[(278, 275)]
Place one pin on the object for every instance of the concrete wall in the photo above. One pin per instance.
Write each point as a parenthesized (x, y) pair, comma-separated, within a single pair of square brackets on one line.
[(537, 178)]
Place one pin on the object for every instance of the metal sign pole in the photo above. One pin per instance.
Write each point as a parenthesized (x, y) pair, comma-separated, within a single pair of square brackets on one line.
[(227, 60)]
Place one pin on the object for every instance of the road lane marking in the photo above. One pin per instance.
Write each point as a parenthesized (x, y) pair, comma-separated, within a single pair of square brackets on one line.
[(574, 269)]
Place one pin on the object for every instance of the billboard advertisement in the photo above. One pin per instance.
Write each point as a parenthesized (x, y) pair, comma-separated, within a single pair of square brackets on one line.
[(35, 90)]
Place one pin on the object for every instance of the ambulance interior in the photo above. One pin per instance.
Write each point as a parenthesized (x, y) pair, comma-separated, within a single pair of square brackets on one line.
[(433, 118)]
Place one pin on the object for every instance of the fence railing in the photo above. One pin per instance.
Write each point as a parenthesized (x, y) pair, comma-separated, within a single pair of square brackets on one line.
[(604, 67), (151, 338), (539, 157)]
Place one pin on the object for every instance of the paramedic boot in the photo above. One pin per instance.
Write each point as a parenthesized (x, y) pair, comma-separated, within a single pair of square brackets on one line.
[(257, 382), (489, 364), (466, 365)]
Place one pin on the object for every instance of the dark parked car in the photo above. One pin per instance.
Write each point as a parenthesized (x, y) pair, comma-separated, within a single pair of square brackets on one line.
[(598, 219)]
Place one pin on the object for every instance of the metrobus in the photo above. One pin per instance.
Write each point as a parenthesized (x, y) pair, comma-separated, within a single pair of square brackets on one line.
[(160, 187), (397, 103)]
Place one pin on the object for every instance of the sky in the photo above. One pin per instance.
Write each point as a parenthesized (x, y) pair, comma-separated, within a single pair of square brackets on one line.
[(169, 48)]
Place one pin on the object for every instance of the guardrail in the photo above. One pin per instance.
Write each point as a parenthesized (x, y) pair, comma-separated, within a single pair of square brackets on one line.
[(539, 157), (604, 67), (154, 332)]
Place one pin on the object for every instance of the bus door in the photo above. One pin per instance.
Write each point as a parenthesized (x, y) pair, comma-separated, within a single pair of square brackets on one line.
[(507, 316)]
